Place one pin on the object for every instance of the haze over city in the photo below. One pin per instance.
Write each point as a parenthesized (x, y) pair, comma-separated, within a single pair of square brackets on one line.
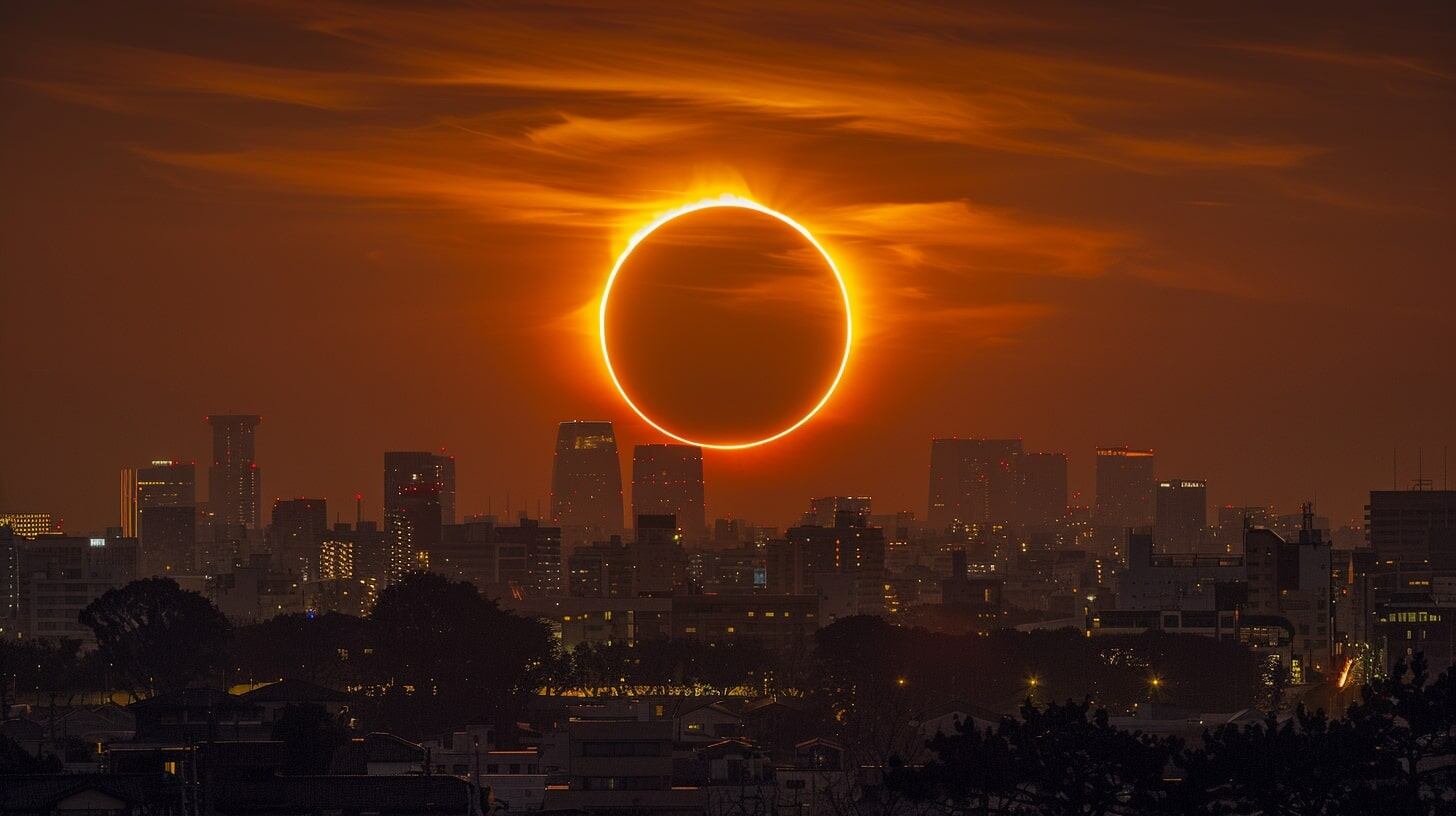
[(1222, 237)]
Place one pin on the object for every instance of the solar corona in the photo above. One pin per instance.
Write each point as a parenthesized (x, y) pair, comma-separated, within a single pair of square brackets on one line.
[(665, 426)]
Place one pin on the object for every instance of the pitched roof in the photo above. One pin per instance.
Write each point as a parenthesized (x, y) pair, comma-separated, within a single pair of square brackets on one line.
[(765, 704), (295, 691), (732, 746)]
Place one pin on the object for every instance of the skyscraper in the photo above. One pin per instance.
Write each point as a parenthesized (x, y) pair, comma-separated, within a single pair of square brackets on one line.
[(961, 476), (163, 483), (1125, 489), (1181, 516), (1038, 489), (405, 468), (668, 480), (168, 541), (233, 480), (586, 482), (658, 559), (295, 535), (824, 510), (412, 526), (1412, 530)]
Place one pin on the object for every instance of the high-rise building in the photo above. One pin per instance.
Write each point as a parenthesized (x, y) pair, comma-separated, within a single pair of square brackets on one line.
[(298, 530), (1038, 489), (359, 555), (168, 541), (1412, 530), (61, 575), (659, 561), (603, 569), (844, 564), (668, 480), (502, 561), (412, 525), (1181, 515), (1290, 582), (1233, 520), (163, 483), (824, 510), (233, 480), (419, 500), (586, 482), (962, 472), (1126, 491), (30, 525), (405, 468)]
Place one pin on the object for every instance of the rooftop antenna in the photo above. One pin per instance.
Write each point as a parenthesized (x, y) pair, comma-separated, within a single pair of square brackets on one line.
[(1394, 479), (358, 509)]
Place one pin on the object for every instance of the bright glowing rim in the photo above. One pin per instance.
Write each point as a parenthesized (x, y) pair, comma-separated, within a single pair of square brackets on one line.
[(746, 204)]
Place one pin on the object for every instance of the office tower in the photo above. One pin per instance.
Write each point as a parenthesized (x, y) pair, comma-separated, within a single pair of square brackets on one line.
[(1038, 489), (586, 482), (405, 468), (1290, 583), (824, 510), (657, 554), (502, 561), (1233, 520), (61, 575), (30, 525), (1126, 494), (603, 569), (961, 476), (295, 534), (1412, 530), (233, 480), (727, 532), (668, 480), (168, 541), (1181, 515), (163, 483), (736, 571), (843, 564)]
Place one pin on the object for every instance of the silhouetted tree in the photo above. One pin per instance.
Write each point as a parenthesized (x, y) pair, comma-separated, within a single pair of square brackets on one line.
[(1061, 759), (14, 759), (329, 649), (449, 653), (1410, 726), (156, 636)]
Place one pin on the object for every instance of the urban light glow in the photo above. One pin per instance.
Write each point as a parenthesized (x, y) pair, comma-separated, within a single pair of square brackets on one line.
[(726, 200)]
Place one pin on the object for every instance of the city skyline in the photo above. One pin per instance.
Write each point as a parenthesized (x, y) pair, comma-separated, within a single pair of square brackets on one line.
[(1421, 473)]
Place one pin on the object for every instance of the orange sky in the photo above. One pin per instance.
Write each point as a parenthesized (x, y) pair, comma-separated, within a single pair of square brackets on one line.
[(1224, 233)]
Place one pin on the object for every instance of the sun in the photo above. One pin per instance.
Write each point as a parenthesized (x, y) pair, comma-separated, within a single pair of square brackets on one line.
[(725, 201)]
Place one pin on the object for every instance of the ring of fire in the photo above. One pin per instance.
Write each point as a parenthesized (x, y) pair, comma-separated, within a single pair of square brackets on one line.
[(747, 204)]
